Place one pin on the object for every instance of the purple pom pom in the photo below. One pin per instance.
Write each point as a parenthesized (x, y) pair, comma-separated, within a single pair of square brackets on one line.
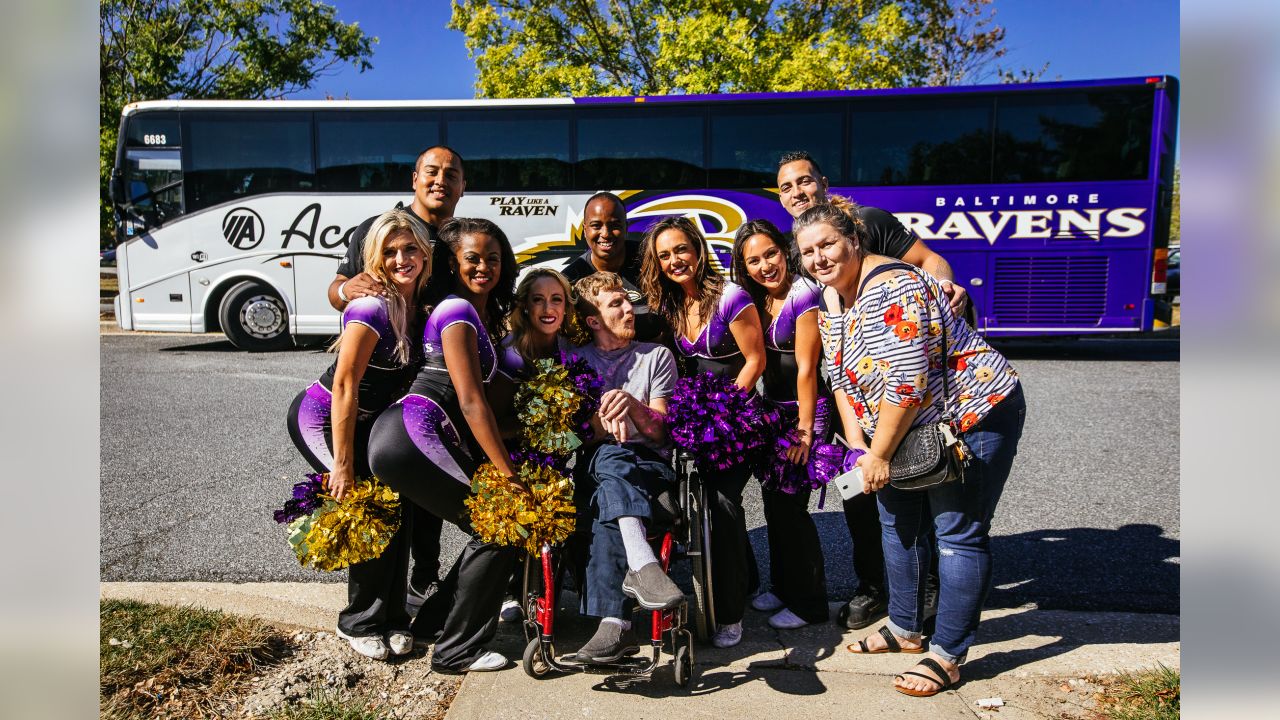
[(718, 423), (306, 498), (589, 385)]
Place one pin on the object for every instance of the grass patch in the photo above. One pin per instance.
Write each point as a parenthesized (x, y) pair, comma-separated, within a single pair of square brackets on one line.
[(1147, 695), (324, 704), (161, 660)]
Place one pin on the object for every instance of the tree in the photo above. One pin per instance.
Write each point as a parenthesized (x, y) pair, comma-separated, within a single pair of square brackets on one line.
[(545, 48), (244, 49)]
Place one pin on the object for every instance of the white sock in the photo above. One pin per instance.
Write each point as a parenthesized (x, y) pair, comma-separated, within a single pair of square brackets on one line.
[(639, 553), (624, 624)]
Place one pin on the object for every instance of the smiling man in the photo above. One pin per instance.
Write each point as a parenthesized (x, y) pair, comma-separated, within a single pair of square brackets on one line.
[(438, 184), (604, 227), (801, 185)]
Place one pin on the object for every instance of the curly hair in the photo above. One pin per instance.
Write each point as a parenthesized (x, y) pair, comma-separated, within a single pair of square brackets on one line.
[(444, 280), (665, 295)]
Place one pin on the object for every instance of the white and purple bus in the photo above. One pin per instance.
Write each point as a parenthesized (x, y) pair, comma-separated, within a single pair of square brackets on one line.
[(1051, 201)]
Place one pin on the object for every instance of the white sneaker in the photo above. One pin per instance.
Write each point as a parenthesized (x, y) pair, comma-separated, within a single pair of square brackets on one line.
[(784, 619), (488, 662), (727, 635), (767, 602), (400, 642), (371, 646), (511, 612)]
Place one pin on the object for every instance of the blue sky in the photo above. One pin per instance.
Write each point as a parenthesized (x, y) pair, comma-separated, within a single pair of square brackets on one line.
[(417, 57)]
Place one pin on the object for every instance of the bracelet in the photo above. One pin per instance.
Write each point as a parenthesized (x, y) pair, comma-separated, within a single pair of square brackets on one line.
[(341, 296)]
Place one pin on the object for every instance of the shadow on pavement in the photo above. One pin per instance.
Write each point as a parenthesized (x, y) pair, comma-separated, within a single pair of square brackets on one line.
[(1151, 349)]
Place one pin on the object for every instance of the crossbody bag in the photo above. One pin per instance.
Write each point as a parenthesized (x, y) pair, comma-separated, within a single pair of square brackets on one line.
[(931, 454)]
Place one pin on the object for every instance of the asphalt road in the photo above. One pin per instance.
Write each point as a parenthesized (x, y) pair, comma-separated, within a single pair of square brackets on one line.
[(195, 457)]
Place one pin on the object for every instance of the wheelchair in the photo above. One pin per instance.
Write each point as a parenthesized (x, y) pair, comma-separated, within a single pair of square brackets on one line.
[(681, 526)]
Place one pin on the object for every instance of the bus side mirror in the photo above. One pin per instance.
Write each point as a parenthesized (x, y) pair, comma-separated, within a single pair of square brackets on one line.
[(115, 187)]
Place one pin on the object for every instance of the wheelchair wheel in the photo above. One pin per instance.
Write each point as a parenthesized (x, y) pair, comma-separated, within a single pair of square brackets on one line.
[(683, 666), (534, 665), (700, 559)]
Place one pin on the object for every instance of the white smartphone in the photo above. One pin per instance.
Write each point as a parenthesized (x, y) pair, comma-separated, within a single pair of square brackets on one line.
[(850, 483)]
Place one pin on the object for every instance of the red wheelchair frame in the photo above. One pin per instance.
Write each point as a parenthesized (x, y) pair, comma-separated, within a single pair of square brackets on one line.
[(540, 659)]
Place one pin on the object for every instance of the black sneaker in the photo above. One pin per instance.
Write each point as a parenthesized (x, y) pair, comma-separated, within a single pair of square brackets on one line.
[(610, 644), (651, 588), (864, 609)]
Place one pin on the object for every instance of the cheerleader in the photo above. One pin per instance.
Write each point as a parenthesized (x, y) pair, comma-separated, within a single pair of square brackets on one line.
[(787, 304), (428, 445), (716, 330), (330, 421)]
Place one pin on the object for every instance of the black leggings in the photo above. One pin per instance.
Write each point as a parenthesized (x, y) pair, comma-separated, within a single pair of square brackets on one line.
[(418, 450), (732, 560), (375, 588)]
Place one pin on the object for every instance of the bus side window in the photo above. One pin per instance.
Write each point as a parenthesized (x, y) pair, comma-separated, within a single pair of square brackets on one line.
[(1102, 134), (640, 147), (237, 154), (372, 151)]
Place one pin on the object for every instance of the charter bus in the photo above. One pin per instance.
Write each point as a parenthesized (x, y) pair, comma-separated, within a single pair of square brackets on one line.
[(1051, 201)]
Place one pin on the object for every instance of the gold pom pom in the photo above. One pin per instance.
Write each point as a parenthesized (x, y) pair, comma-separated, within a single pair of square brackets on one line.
[(543, 514), (546, 404), (338, 535)]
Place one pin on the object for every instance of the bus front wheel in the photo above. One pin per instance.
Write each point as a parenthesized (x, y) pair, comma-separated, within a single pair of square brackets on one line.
[(254, 317)]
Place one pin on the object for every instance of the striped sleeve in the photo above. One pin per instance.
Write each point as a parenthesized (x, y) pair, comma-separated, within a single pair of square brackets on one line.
[(893, 315)]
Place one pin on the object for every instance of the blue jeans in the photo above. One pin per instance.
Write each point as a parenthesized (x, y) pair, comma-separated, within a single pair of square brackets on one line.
[(619, 481), (960, 514)]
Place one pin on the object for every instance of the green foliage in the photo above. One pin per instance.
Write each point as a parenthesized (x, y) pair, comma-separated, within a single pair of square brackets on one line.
[(1175, 216), (1150, 695), (548, 48), (154, 656), (241, 49)]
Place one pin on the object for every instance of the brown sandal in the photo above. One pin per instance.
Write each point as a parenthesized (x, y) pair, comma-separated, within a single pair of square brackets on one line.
[(891, 645), (943, 684)]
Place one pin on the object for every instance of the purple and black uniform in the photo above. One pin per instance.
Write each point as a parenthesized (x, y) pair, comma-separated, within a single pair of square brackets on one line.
[(714, 349), (796, 565), (375, 588), (423, 448), (513, 366), (734, 573)]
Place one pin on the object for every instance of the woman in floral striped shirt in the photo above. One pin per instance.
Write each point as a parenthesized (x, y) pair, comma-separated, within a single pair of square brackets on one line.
[(882, 329)]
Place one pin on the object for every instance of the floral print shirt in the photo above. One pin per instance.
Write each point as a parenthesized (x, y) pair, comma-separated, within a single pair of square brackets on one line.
[(889, 346)]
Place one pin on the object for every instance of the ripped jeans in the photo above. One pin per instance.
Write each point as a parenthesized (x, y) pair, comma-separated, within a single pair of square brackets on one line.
[(960, 513)]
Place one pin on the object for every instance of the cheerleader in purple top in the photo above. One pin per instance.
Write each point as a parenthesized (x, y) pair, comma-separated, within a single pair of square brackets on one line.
[(717, 330), (788, 305), (429, 444), (330, 421)]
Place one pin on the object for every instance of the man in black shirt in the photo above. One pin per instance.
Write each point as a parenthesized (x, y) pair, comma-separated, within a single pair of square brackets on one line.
[(801, 185), (604, 227), (438, 184)]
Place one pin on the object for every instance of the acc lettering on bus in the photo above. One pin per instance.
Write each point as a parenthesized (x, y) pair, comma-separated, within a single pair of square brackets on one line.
[(307, 223), (1027, 224)]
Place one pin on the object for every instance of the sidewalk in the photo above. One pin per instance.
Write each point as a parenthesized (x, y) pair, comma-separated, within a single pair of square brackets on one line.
[(1032, 659)]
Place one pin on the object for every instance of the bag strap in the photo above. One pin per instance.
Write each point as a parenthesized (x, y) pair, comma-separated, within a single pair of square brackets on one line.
[(948, 416)]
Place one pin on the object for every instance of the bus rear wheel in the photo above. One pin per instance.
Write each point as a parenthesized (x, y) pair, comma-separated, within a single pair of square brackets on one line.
[(255, 318)]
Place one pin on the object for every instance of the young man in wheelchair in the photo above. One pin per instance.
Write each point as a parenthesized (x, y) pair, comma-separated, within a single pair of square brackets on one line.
[(621, 477)]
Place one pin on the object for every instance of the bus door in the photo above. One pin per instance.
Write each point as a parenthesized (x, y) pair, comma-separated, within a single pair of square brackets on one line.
[(154, 293)]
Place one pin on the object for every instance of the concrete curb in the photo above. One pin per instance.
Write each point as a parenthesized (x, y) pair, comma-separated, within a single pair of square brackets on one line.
[(1024, 656)]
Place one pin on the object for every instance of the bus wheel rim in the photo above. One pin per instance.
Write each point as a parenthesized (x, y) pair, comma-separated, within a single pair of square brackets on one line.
[(262, 317)]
